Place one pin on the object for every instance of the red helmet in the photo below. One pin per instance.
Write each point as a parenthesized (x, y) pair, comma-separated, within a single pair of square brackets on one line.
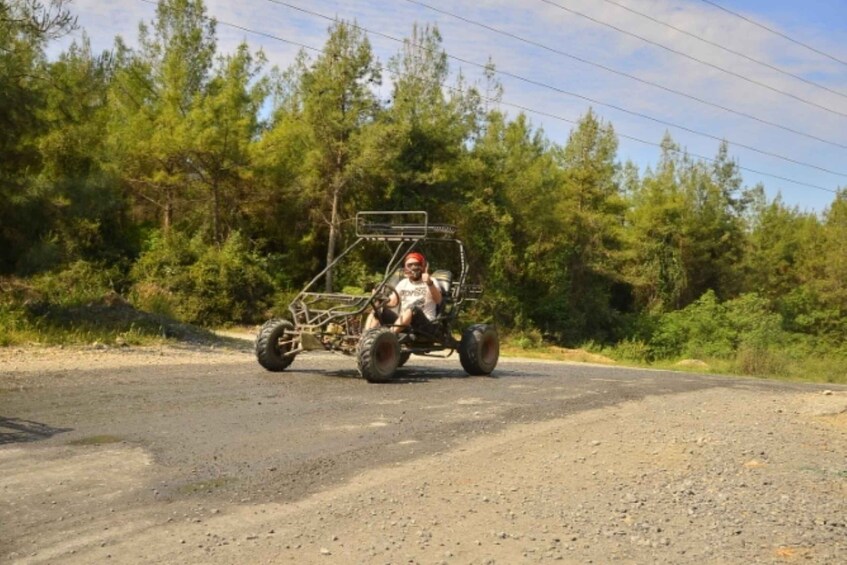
[(414, 255)]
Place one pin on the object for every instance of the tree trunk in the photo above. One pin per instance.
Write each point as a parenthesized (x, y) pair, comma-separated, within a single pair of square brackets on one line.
[(216, 222), (333, 236), (168, 211)]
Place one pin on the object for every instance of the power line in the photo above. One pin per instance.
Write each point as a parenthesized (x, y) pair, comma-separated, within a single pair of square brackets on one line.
[(516, 106), (627, 75), (654, 144), (775, 32), (639, 140), (576, 95), (725, 48), (701, 61)]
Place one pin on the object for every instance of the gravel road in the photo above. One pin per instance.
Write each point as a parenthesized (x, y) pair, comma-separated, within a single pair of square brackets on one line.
[(196, 455)]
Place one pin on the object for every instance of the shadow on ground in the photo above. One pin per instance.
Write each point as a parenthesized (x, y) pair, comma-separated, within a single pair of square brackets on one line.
[(15, 430)]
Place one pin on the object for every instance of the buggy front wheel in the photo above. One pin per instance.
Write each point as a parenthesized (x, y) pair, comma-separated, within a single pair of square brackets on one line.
[(479, 349), (272, 343), (379, 355)]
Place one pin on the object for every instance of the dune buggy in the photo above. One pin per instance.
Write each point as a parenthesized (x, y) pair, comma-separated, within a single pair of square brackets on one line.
[(321, 319)]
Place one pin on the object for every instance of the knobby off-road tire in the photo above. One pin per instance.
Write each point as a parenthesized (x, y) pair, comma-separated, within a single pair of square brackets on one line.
[(378, 355), (479, 349), (269, 352)]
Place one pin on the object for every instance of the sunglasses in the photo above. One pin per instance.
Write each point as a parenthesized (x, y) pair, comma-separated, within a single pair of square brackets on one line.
[(410, 265)]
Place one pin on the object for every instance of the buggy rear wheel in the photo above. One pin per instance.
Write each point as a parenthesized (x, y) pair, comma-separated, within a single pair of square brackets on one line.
[(272, 343), (479, 349), (379, 355)]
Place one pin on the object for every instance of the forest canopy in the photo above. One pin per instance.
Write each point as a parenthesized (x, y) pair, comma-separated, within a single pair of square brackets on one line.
[(207, 186)]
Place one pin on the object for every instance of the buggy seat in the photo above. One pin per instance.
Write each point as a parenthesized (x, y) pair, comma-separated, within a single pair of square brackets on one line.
[(444, 280)]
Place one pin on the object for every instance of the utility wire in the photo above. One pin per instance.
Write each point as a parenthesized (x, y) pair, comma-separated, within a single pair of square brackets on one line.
[(627, 75), (651, 143), (501, 102), (725, 48), (701, 61), (775, 32), (576, 95)]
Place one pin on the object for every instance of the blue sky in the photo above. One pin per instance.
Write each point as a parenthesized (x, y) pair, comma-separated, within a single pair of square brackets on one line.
[(551, 56)]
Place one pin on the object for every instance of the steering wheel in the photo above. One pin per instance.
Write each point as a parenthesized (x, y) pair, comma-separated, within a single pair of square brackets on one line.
[(382, 295)]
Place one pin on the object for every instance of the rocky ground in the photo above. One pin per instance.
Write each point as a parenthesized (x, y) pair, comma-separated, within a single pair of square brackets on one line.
[(716, 476)]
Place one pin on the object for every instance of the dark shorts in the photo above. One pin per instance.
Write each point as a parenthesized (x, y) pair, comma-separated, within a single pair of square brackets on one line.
[(419, 320)]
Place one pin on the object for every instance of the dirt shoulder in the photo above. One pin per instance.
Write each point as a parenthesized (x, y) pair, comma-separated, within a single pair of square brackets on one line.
[(28, 360), (717, 476)]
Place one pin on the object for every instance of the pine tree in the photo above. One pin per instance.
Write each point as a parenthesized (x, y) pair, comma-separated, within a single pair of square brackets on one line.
[(25, 28), (153, 93), (338, 103)]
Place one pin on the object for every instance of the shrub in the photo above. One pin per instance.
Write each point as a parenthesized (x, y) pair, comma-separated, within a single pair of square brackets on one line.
[(528, 339), (202, 284), (759, 361), (752, 323), (161, 274), (699, 330), (631, 350), (228, 285), (804, 312), (708, 328), (13, 324), (79, 283)]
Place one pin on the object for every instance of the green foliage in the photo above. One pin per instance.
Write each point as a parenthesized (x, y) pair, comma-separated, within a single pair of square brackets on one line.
[(13, 326), (154, 135), (338, 106), (779, 239), (80, 283), (431, 126), (632, 350), (223, 123), (805, 312), (709, 328), (199, 283), (687, 232), (25, 28), (97, 150), (75, 305), (695, 331), (528, 339)]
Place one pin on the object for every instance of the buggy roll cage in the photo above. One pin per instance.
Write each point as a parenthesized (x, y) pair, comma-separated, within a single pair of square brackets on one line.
[(313, 311)]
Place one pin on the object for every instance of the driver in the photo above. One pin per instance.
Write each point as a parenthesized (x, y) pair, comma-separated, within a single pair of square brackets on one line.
[(419, 296)]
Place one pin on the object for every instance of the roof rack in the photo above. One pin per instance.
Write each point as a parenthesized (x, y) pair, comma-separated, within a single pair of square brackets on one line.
[(399, 226)]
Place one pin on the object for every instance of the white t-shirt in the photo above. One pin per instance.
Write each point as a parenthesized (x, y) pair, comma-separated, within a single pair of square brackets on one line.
[(412, 293)]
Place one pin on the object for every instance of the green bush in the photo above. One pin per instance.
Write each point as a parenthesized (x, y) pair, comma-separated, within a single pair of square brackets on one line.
[(78, 283), (527, 339), (754, 326), (804, 312), (13, 325), (75, 305), (708, 328), (699, 330), (201, 284), (630, 350)]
